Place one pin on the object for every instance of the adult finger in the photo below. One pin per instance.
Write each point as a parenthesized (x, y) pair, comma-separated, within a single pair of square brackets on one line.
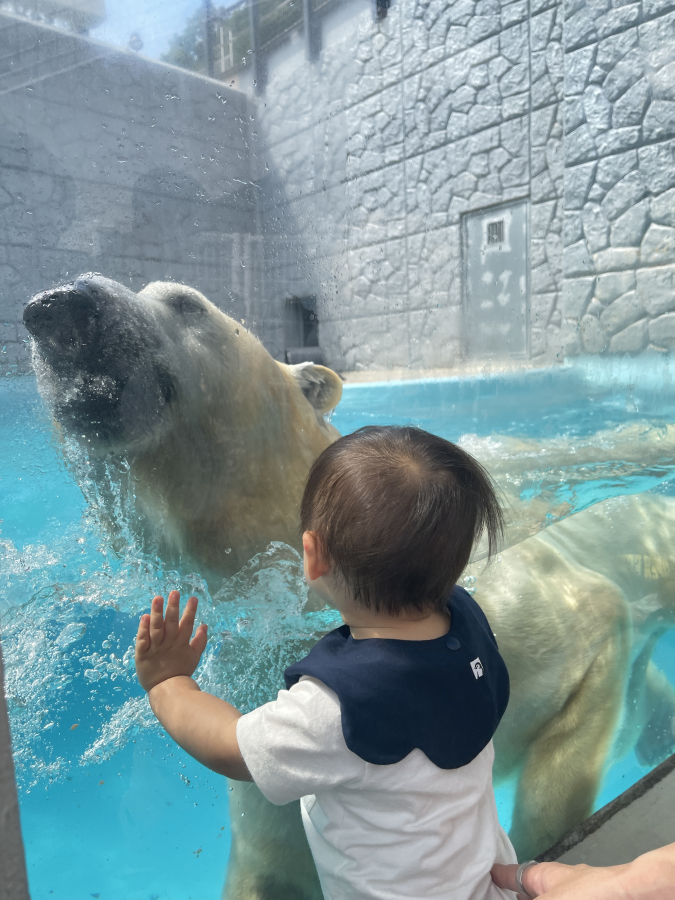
[(504, 876), (187, 622), (156, 621), (171, 617), (545, 877), (538, 879), (143, 635)]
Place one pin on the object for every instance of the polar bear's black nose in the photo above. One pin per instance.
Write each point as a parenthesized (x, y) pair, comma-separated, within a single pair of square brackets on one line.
[(64, 317)]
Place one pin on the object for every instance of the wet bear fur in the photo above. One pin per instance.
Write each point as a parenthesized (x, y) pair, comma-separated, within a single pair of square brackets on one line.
[(217, 437)]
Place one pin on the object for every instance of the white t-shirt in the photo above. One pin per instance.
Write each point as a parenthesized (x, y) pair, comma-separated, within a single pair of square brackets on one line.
[(407, 830)]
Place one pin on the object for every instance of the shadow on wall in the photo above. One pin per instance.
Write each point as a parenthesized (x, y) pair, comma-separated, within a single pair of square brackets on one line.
[(290, 284), (177, 233), (37, 231), (180, 233)]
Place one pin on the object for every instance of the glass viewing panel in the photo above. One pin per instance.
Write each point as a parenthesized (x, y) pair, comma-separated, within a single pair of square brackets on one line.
[(466, 210)]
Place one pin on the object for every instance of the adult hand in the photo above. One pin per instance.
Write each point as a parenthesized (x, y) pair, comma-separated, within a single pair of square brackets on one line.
[(649, 877), (163, 646), (561, 882)]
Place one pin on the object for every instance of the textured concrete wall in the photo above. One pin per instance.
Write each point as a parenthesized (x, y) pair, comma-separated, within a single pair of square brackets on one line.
[(348, 179), (619, 256), (374, 153), (115, 164)]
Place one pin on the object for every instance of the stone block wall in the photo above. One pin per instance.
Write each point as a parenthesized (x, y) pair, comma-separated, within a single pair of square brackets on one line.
[(345, 184), (376, 151), (619, 254), (112, 163)]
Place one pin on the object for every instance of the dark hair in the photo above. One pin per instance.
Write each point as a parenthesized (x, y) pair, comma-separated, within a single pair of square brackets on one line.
[(397, 511)]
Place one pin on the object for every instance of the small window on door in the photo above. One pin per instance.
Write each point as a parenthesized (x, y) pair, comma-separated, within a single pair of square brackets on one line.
[(495, 232)]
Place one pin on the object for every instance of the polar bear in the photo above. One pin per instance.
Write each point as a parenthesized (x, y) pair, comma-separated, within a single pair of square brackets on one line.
[(218, 438), (577, 610), (553, 472), (630, 540)]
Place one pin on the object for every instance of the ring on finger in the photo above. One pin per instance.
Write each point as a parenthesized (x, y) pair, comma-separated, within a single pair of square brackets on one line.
[(519, 877)]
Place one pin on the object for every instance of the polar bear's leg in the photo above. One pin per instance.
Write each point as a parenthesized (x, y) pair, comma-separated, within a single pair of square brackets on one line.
[(562, 770), (270, 857), (657, 740), (649, 719)]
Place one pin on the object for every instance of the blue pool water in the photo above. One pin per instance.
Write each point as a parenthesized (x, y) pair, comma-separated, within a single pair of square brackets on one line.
[(100, 786)]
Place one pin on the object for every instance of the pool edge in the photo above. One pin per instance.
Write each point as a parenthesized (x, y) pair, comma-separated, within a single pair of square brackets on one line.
[(594, 823)]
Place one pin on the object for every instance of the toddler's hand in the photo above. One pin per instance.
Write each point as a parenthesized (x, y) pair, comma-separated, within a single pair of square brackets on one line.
[(163, 645)]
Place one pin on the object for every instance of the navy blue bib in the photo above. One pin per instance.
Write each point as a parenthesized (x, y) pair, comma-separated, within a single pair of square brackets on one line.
[(444, 697)]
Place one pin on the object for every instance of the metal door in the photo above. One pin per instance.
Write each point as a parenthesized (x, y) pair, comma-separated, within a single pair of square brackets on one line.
[(496, 283)]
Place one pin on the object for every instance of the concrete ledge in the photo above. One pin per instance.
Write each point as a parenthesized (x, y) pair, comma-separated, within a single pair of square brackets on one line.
[(467, 369), (639, 820)]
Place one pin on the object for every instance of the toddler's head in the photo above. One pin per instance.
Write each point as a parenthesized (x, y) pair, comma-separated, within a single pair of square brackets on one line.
[(396, 512)]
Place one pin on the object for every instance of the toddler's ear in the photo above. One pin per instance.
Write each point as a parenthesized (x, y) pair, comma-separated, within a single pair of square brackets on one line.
[(315, 562)]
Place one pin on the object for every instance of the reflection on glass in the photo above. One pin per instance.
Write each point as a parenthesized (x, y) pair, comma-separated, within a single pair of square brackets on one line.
[(269, 190)]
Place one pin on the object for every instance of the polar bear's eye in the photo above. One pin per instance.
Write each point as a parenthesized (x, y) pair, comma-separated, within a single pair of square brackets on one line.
[(186, 305)]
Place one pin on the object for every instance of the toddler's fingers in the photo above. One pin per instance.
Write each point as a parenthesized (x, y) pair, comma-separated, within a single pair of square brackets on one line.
[(171, 617), (187, 622), (143, 635), (157, 621), (198, 642)]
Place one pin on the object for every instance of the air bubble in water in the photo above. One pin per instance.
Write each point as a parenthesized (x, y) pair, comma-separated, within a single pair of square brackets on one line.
[(71, 633)]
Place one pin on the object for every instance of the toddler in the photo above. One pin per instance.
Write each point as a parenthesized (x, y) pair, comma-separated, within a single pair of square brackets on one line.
[(384, 731)]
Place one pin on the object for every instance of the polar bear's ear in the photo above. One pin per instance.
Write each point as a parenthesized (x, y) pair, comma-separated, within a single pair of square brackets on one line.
[(321, 386)]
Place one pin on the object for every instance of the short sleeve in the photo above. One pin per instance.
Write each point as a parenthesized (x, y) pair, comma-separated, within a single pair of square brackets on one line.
[(294, 745)]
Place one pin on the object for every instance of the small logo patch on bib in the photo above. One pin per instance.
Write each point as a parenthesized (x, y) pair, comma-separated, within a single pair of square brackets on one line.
[(476, 667)]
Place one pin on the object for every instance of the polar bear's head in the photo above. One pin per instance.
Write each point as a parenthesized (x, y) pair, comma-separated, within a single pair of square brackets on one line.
[(121, 370)]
